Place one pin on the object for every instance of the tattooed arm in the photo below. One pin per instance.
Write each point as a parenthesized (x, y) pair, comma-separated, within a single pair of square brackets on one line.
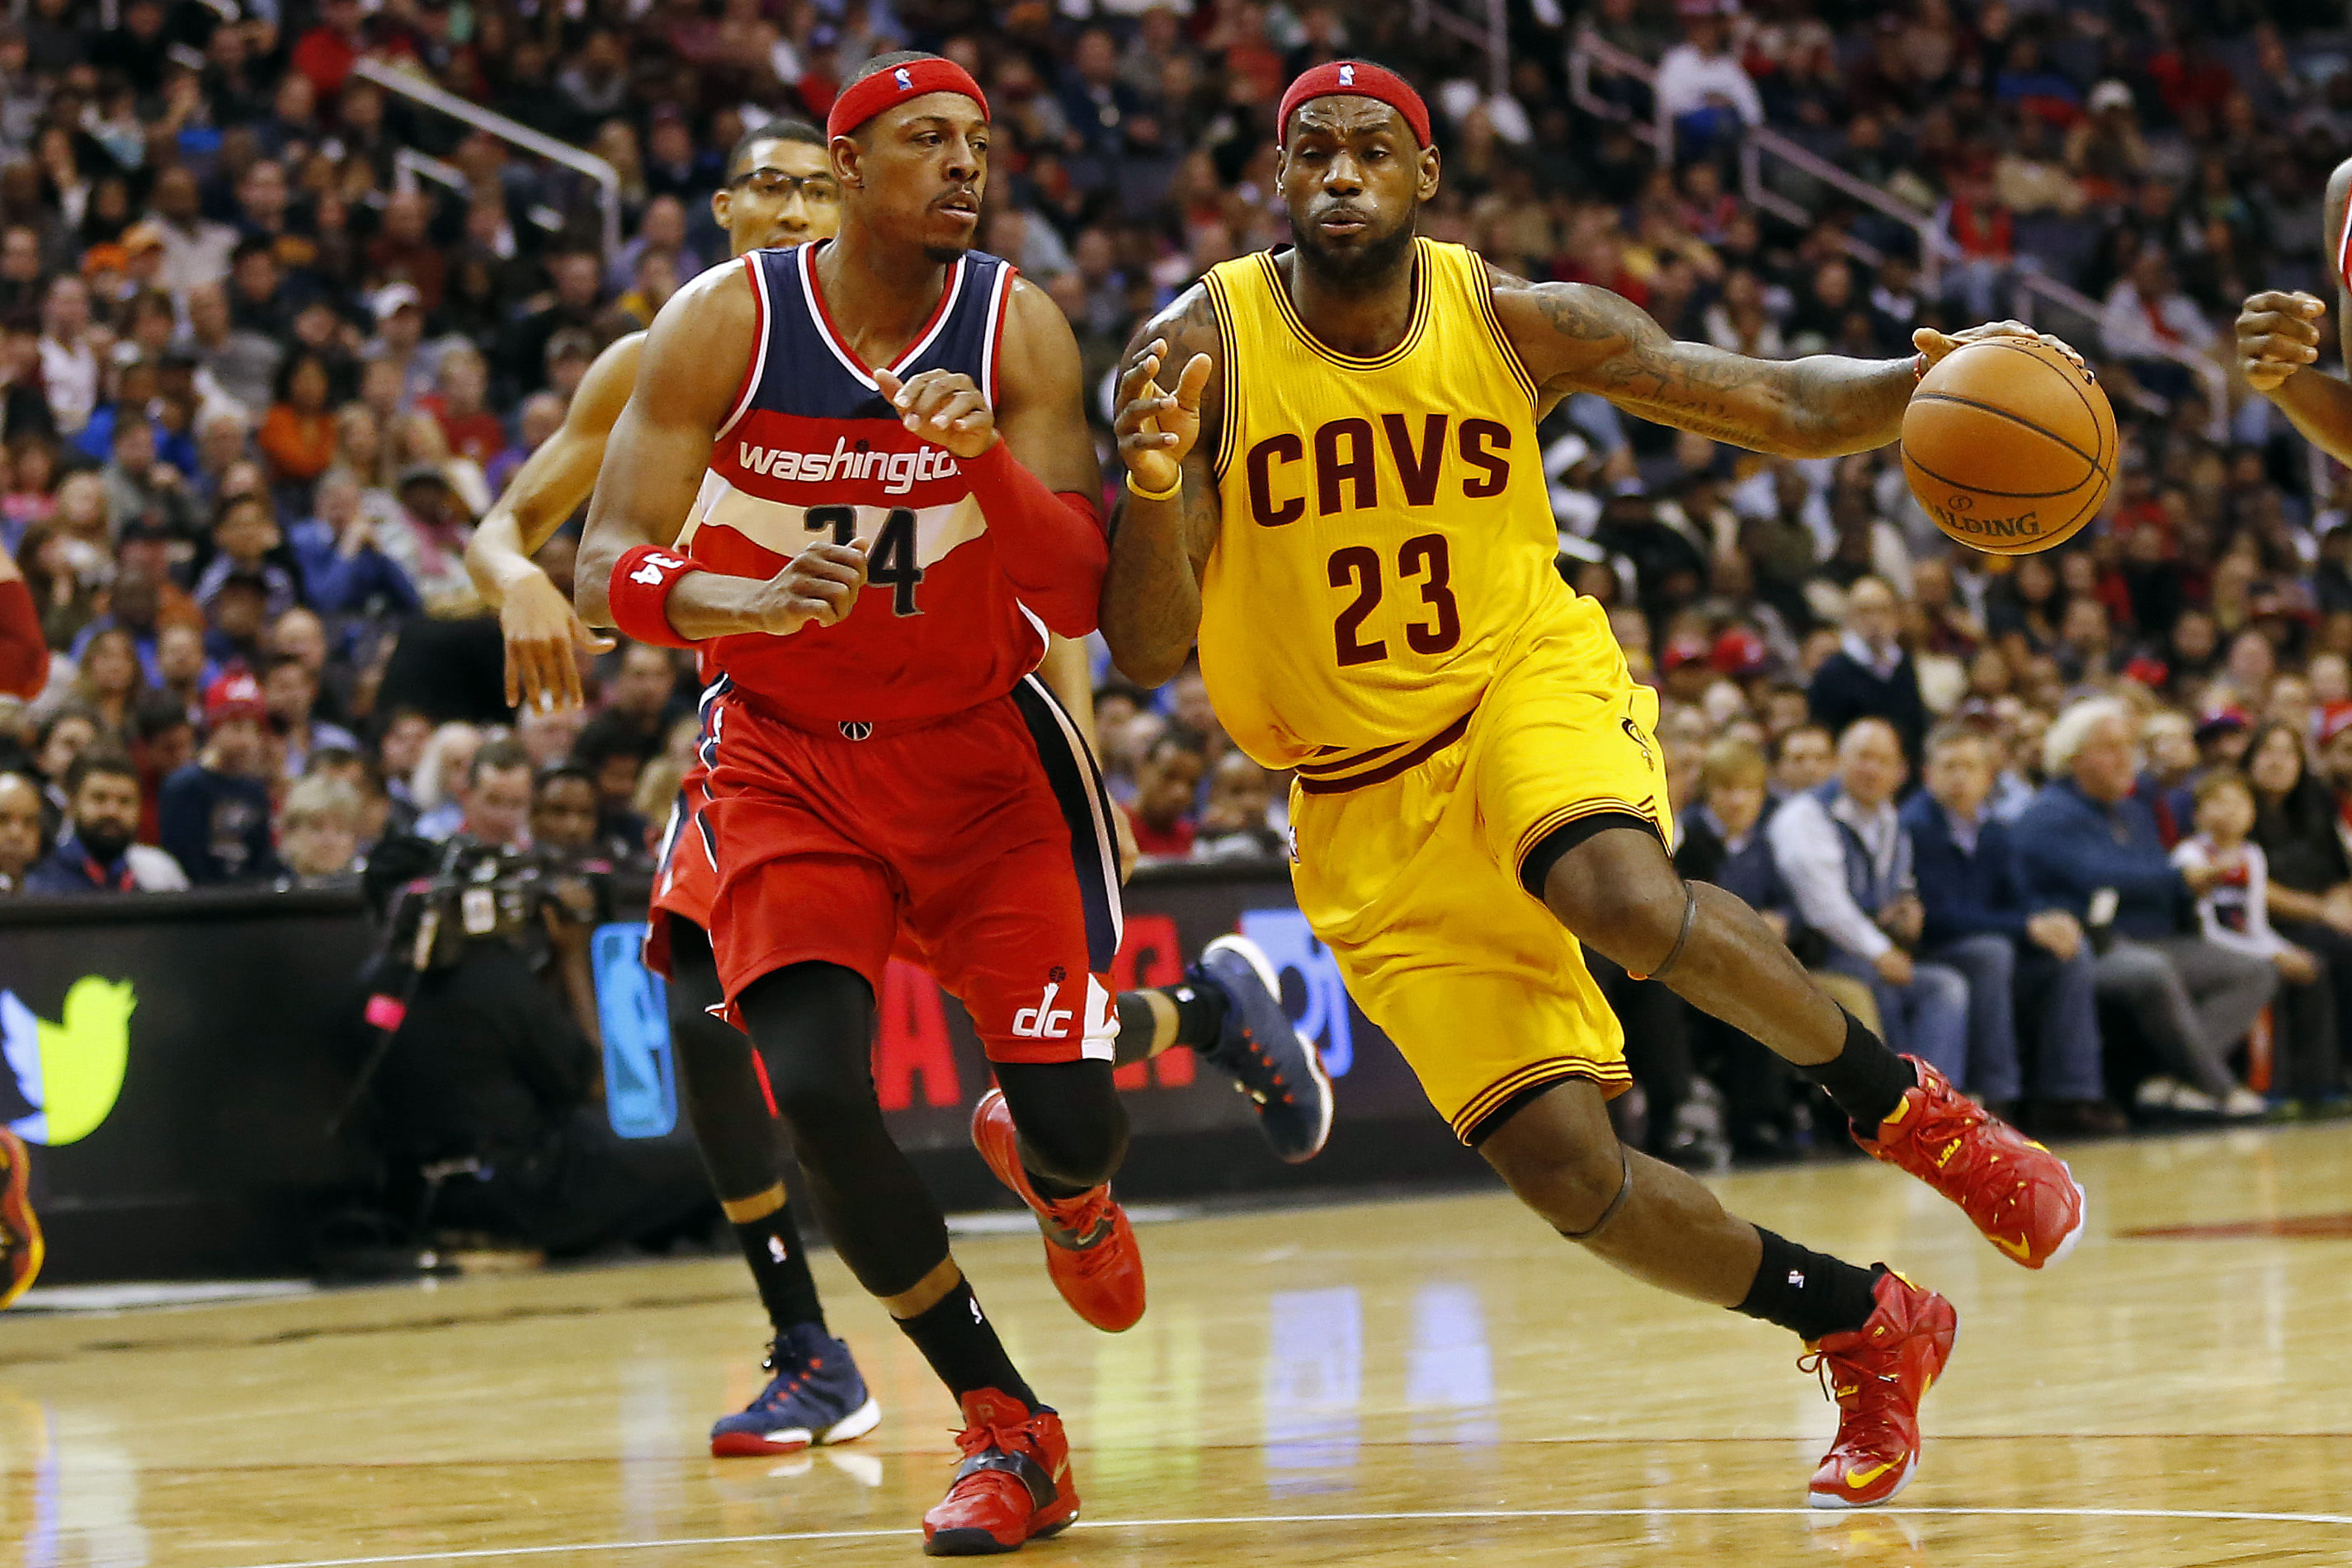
[(1151, 596), (1573, 337)]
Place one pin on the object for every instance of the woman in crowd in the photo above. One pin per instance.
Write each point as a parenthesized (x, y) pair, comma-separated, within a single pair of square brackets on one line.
[(2310, 887)]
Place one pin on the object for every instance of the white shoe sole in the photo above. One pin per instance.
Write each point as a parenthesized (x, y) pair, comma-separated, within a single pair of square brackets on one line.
[(2082, 1224), (855, 1425), (1253, 955)]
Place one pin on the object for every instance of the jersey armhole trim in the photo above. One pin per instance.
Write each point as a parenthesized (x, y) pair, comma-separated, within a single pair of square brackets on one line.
[(1000, 301), (1482, 287), (757, 370), (2344, 246), (1228, 405)]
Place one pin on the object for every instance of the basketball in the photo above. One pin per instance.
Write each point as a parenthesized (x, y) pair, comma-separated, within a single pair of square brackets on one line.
[(2009, 445)]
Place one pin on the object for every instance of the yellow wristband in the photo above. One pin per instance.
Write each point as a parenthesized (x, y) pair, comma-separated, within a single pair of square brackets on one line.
[(1140, 494)]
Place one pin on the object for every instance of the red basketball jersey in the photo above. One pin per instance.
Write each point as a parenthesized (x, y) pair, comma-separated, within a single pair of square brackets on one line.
[(811, 449)]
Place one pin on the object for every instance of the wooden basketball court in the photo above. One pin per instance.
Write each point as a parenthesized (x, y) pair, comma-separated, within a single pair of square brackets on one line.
[(1410, 1383)]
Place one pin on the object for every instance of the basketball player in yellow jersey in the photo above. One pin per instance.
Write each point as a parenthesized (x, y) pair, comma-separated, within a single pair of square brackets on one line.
[(1341, 497)]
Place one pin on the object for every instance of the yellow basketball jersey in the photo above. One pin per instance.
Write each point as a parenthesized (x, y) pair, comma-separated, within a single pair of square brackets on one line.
[(1388, 533)]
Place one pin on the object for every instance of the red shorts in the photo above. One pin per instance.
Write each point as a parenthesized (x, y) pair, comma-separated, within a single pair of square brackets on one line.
[(979, 845), (686, 872)]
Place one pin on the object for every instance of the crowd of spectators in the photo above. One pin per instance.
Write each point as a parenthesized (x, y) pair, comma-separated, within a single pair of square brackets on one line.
[(260, 371)]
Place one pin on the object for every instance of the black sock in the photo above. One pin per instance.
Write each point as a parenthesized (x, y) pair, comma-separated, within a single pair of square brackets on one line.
[(1865, 1079), (1058, 1191), (771, 1246), (1137, 1029), (1200, 1013), (962, 1347), (1809, 1293)]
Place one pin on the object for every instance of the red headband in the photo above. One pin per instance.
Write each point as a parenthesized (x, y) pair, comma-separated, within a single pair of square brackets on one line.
[(861, 101), (1358, 78)]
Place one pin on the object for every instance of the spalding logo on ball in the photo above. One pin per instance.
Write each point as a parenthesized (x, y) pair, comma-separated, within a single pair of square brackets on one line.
[(2009, 445)]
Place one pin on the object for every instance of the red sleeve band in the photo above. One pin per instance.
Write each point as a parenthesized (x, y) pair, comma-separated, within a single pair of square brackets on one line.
[(24, 656), (1051, 545), (639, 594)]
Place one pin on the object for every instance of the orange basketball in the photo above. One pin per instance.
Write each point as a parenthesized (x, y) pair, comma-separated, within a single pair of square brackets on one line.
[(2009, 445)]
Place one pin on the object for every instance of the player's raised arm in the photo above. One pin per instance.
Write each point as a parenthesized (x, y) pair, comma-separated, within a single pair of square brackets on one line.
[(2278, 336), (1573, 337), (1167, 521), (540, 625), (1030, 462), (693, 366)]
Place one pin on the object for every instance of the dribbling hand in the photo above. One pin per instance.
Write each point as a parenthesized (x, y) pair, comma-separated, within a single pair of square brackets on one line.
[(944, 407), (2278, 334), (1936, 345), (817, 587), (1156, 429)]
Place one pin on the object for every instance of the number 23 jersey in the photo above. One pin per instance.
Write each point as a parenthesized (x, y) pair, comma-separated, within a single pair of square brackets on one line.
[(812, 451), (1388, 533)]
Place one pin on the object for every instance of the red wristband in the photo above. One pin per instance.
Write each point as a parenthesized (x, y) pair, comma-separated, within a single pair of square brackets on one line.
[(639, 594)]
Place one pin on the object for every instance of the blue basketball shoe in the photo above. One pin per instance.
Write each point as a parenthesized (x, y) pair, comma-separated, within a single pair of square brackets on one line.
[(816, 1395), (1282, 1073)]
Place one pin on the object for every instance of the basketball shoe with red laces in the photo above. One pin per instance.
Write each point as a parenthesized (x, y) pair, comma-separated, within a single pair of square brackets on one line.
[(1878, 1374), (1090, 1248), (1013, 1485), (2018, 1193), (20, 1230)]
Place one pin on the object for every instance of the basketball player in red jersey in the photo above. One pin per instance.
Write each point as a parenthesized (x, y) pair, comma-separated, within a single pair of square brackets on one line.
[(24, 670), (871, 461), (780, 189)]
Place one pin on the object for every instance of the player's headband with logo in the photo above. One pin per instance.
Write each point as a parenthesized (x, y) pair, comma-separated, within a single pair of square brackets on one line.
[(1358, 78), (861, 100)]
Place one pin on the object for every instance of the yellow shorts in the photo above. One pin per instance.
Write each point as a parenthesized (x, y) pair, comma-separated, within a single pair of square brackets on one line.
[(1414, 882)]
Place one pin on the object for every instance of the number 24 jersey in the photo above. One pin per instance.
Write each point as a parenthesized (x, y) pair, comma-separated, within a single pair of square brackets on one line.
[(1388, 536)]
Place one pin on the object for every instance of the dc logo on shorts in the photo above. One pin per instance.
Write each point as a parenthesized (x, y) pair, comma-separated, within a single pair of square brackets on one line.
[(856, 729)]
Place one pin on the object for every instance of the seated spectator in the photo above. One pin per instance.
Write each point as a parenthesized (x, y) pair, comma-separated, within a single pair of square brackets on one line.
[(98, 852), (2016, 958), (20, 830), (64, 736), (2298, 826), (1167, 781), (245, 538), (1871, 675), (214, 812), (612, 751), (291, 690), (437, 785), (297, 437), (344, 571), (1805, 760), (566, 815), (1236, 821), (319, 833), (2088, 847), (1848, 863), (2170, 741), (141, 489), (499, 796), (467, 427)]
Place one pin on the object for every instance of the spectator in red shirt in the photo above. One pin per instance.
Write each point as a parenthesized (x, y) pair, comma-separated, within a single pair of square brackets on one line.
[(469, 428), (329, 50), (1167, 783)]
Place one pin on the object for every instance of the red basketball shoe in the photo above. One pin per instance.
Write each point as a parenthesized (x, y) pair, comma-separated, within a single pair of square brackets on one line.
[(20, 1231), (2018, 1193), (1878, 1374), (1014, 1485), (1090, 1248)]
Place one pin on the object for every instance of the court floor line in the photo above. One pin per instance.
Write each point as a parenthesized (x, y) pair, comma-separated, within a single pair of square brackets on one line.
[(2236, 1516)]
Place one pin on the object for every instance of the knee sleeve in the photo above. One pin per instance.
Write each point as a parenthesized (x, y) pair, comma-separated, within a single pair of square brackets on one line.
[(814, 1025), (1073, 1127), (717, 1082)]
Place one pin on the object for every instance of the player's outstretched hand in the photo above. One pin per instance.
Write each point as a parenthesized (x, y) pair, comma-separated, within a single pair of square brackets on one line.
[(541, 631), (2278, 334), (1936, 345), (817, 587), (1156, 429), (942, 406)]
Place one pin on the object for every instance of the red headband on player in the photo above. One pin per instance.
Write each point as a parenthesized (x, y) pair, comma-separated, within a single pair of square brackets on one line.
[(861, 101), (1360, 79)]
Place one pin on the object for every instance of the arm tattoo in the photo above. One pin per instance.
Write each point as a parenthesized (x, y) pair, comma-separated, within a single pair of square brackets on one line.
[(1600, 342)]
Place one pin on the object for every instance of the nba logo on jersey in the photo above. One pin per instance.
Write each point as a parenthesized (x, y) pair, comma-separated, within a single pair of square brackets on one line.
[(1347, 75), (906, 79)]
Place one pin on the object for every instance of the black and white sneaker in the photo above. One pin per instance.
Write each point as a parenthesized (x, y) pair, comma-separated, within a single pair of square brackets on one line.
[(1258, 1049)]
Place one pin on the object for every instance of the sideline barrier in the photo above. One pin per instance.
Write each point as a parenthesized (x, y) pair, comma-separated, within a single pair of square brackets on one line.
[(184, 1053)]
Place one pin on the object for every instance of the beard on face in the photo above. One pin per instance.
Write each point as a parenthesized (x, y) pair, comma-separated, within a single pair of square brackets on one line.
[(104, 841), (1370, 260)]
